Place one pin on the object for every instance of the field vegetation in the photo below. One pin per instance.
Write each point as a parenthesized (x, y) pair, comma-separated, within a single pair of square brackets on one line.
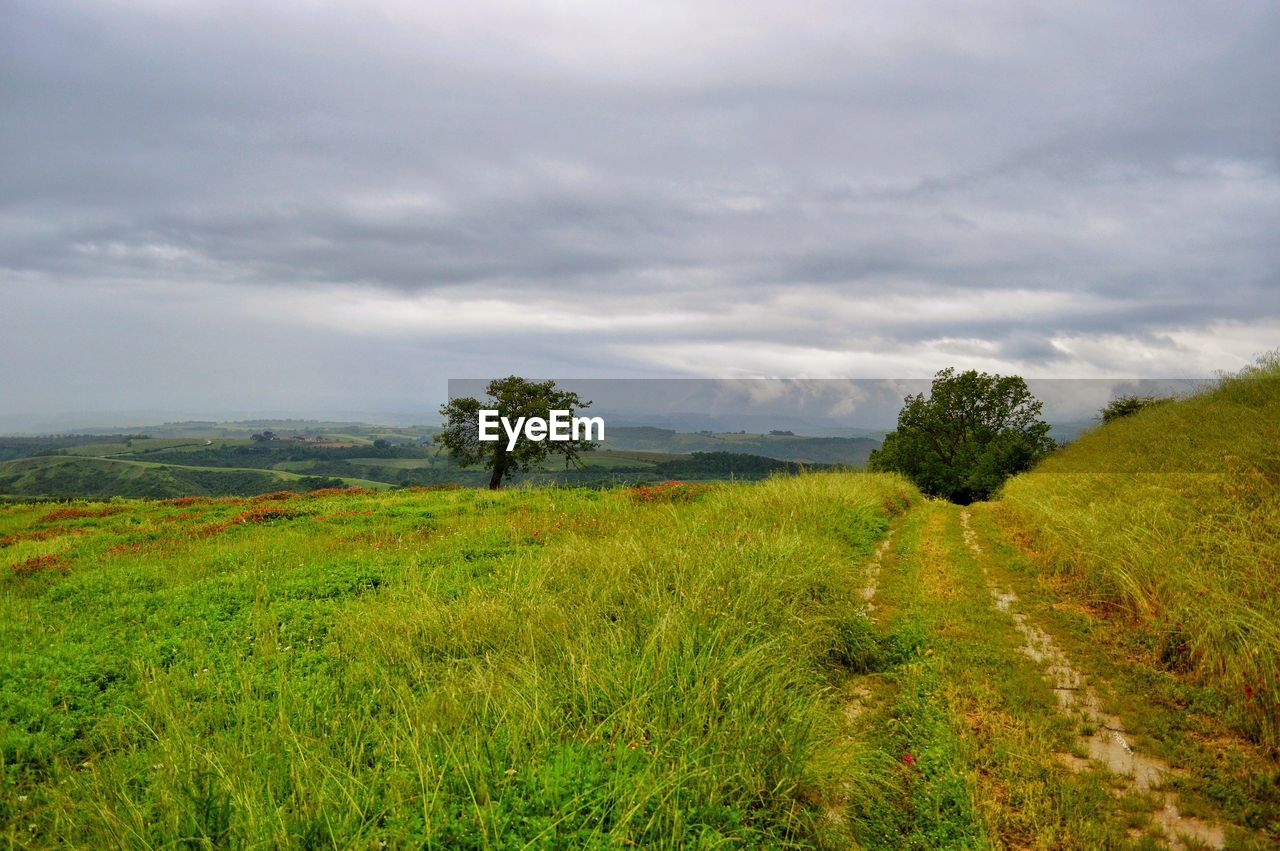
[(1166, 523), (455, 668), (813, 660)]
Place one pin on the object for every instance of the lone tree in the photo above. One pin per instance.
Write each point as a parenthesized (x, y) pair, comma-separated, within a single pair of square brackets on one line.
[(513, 397), (974, 431)]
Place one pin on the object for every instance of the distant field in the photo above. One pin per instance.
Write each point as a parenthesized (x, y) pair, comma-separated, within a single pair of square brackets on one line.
[(850, 451), (201, 460), (93, 476), (397, 463)]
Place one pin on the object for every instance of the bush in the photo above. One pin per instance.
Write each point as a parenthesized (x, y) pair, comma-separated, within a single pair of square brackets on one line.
[(1124, 406)]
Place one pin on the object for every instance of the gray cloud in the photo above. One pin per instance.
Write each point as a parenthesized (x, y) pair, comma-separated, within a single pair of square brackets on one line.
[(672, 189)]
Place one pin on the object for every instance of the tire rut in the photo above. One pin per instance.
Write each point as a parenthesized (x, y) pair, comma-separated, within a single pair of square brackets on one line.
[(1109, 743), (873, 573)]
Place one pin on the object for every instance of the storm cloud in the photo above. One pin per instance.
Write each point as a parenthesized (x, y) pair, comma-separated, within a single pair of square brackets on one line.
[(314, 207)]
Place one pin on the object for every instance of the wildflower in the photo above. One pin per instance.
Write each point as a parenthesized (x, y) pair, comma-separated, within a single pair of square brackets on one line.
[(908, 759)]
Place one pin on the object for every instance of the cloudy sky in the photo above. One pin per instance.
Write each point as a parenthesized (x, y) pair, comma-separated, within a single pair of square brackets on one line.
[(312, 207)]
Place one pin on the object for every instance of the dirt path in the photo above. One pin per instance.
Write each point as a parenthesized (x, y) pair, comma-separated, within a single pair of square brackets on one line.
[(1107, 743), (991, 735)]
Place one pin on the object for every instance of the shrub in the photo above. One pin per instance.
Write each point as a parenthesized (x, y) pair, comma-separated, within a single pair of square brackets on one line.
[(1124, 406)]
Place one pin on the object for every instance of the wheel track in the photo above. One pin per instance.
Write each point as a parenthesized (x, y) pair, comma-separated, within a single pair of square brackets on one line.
[(1108, 744)]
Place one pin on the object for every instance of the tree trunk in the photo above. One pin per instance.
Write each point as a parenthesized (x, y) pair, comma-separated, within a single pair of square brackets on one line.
[(499, 468)]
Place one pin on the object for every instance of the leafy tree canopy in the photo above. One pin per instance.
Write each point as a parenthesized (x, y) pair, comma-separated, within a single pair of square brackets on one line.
[(972, 432), (513, 397)]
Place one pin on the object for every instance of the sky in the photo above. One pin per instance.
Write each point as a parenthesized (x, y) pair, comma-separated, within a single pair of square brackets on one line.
[(321, 208)]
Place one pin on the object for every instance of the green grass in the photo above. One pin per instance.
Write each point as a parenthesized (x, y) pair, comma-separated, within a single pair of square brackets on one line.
[(964, 719), (1168, 715), (456, 669), (1165, 523), (394, 463), (675, 666)]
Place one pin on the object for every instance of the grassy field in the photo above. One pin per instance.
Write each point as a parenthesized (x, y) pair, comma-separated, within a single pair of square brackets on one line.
[(823, 660), (459, 668), (1166, 525)]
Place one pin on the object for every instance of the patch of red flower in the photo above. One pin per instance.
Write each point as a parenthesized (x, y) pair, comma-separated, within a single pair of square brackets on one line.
[(122, 549), (262, 514), (265, 514), (335, 515), (352, 491), (179, 517), (670, 491), (39, 564), (38, 535), (275, 496), (737, 536), (908, 759), (896, 504), (183, 501), (77, 513)]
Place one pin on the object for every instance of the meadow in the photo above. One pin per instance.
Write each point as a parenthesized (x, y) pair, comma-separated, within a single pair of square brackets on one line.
[(451, 669)]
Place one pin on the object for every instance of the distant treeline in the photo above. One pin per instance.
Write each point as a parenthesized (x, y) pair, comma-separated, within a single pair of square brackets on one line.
[(24, 447), (102, 481), (271, 453)]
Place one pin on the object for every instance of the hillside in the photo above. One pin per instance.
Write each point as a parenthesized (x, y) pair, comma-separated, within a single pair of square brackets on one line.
[(1166, 524), (848, 451), (816, 660)]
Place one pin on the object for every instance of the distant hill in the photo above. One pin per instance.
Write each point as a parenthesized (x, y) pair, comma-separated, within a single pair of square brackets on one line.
[(852, 451), (255, 457), (203, 457)]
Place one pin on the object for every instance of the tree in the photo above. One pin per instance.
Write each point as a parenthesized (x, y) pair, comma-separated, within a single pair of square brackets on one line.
[(512, 397), (973, 431)]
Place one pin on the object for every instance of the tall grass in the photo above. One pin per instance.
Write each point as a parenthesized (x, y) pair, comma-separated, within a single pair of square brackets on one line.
[(461, 669), (1172, 518)]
